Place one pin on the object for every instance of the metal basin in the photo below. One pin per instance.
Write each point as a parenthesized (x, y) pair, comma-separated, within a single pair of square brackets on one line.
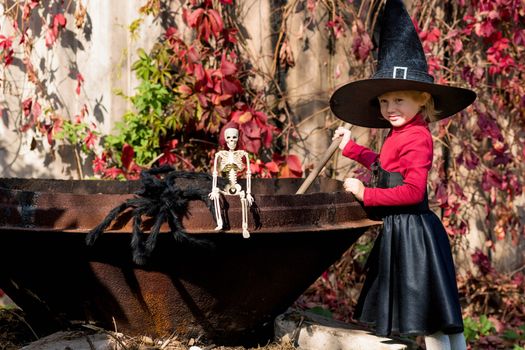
[(229, 289)]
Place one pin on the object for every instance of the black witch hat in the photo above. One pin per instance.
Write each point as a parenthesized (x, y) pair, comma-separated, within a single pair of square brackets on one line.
[(401, 66)]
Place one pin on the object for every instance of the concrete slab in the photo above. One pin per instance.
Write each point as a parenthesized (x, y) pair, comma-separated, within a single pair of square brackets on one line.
[(309, 331), (73, 340)]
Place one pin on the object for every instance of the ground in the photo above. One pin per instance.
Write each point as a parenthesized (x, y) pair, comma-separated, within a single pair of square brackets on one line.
[(15, 333)]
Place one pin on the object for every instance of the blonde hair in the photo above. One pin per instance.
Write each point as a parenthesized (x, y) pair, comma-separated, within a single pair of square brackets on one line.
[(428, 110)]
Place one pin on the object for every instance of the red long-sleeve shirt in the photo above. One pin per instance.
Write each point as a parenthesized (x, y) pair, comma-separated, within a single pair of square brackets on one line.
[(408, 150)]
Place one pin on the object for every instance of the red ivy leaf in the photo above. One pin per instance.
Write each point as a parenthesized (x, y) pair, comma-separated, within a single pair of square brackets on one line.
[(90, 140), (6, 52), (59, 21), (484, 29), (100, 164), (272, 167), (30, 109), (80, 80), (458, 46), (36, 110), (295, 164), (337, 27), (128, 153), (468, 157), (227, 67), (216, 23), (231, 86), (290, 166), (28, 7), (230, 36), (26, 106), (184, 90), (192, 18), (490, 179), (168, 157), (50, 38), (361, 44), (441, 194), (431, 36), (207, 22), (519, 37), (5, 42), (482, 262), (310, 5), (255, 167), (244, 118), (56, 126), (113, 172)]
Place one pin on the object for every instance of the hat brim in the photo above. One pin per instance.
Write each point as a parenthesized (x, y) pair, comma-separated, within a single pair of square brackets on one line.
[(356, 102)]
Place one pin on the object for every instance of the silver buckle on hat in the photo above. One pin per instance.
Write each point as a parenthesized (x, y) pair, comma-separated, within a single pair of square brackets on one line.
[(403, 69)]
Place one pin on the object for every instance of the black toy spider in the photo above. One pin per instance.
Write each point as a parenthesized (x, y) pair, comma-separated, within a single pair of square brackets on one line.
[(161, 198)]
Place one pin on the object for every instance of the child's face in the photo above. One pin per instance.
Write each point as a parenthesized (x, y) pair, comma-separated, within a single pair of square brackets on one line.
[(399, 107)]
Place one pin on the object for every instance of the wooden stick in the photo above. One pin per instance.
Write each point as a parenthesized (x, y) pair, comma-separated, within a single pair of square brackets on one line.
[(311, 177)]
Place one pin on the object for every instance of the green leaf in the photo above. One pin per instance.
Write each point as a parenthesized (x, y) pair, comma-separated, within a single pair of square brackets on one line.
[(486, 325), (470, 329), (510, 334), (134, 26), (321, 311)]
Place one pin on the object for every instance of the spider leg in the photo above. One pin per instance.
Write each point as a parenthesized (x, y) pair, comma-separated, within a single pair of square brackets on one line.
[(151, 242), (202, 195), (137, 239), (181, 236), (176, 228), (112, 215)]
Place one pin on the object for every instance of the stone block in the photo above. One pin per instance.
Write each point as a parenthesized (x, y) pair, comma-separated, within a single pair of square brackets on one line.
[(309, 331)]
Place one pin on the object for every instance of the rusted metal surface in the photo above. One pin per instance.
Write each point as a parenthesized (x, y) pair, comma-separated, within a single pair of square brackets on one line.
[(227, 288), (63, 205)]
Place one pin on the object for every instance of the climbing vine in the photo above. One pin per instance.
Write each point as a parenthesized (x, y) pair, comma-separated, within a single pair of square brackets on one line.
[(479, 44)]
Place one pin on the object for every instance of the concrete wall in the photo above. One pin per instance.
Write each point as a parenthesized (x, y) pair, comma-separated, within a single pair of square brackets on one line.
[(102, 51)]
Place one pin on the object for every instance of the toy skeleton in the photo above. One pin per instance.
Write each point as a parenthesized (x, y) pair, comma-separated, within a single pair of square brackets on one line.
[(231, 162)]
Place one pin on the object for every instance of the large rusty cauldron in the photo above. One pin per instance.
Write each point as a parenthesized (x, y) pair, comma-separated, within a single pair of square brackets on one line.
[(229, 289)]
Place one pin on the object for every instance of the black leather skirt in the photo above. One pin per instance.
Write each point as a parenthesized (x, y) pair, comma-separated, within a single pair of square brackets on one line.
[(410, 286)]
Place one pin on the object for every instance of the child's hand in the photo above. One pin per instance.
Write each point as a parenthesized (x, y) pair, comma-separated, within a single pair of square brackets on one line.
[(355, 186), (342, 132)]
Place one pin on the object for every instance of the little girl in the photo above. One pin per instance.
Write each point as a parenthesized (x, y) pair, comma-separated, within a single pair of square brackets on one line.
[(410, 287)]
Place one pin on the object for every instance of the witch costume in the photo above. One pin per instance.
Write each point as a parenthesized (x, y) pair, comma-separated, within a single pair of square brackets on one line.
[(410, 287)]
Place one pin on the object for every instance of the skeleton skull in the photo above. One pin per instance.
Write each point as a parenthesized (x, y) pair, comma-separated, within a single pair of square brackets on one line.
[(232, 137)]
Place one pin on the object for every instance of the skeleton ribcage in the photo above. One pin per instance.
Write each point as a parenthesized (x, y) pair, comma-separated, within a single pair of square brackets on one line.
[(231, 160)]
